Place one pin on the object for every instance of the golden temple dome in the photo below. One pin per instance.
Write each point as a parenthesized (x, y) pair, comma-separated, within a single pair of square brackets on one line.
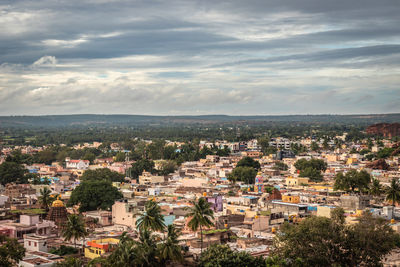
[(57, 203)]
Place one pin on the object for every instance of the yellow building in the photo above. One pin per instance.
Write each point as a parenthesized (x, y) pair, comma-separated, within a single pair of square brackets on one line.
[(291, 199), (96, 248), (351, 161), (296, 181)]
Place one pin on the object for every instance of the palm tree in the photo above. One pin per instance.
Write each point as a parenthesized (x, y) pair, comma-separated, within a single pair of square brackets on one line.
[(145, 250), (45, 198), (201, 215), (393, 192), (375, 188), (151, 219), (123, 255), (74, 228), (170, 250)]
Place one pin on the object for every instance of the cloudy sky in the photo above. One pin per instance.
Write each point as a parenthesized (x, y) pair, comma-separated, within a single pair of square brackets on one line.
[(172, 57)]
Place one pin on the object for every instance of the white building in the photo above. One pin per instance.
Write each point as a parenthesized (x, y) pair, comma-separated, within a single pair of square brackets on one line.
[(77, 164)]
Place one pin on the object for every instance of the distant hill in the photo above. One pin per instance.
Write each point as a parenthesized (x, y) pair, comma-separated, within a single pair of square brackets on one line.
[(143, 120)]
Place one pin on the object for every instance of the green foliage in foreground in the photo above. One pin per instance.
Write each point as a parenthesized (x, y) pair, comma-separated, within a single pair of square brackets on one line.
[(11, 252), (319, 241), (223, 256)]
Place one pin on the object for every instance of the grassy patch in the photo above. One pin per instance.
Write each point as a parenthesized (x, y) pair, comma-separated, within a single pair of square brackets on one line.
[(28, 211)]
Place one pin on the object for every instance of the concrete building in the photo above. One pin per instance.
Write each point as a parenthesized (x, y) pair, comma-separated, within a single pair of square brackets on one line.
[(124, 213), (148, 178), (33, 242), (354, 201), (296, 181)]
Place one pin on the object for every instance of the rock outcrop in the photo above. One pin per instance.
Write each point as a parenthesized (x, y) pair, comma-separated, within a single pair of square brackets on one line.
[(379, 164), (388, 130)]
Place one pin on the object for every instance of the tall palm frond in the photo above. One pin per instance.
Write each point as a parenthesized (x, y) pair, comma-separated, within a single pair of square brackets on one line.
[(201, 215)]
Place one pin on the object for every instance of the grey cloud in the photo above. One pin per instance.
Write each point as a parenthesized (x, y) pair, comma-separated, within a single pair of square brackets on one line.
[(163, 57)]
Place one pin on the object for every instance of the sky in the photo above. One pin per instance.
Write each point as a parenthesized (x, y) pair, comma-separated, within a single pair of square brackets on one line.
[(171, 57)]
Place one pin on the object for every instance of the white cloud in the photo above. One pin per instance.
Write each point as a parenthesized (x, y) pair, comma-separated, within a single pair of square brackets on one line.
[(45, 61), (193, 57)]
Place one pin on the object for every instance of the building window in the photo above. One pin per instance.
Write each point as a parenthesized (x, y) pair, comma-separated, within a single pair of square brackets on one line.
[(35, 244), (29, 243)]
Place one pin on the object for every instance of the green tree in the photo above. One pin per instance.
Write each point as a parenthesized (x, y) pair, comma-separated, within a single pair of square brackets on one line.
[(156, 149), (89, 156), (317, 164), (145, 250), (319, 241), (224, 152), (385, 153), (46, 156), (45, 199), (74, 228), (369, 240), (325, 144), (123, 255), (167, 167), (120, 157), (141, 165), (91, 195), (311, 168), (17, 157), (314, 146), (314, 174), (281, 166), (375, 188), (201, 215), (169, 249), (244, 174), (11, 252), (151, 219), (12, 172), (102, 174), (393, 192), (263, 142), (223, 256), (352, 180), (169, 152), (248, 162)]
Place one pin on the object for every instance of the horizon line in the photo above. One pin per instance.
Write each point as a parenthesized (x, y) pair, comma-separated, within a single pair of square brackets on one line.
[(200, 115)]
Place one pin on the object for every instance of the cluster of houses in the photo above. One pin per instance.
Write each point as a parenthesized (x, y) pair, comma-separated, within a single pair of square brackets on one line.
[(246, 217)]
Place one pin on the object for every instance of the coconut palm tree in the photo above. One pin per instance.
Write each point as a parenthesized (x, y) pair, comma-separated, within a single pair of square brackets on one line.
[(124, 254), (375, 188), (74, 228), (393, 192), (151, 219), (170, 250), (145, 250), (45, 198), (201, 216)]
